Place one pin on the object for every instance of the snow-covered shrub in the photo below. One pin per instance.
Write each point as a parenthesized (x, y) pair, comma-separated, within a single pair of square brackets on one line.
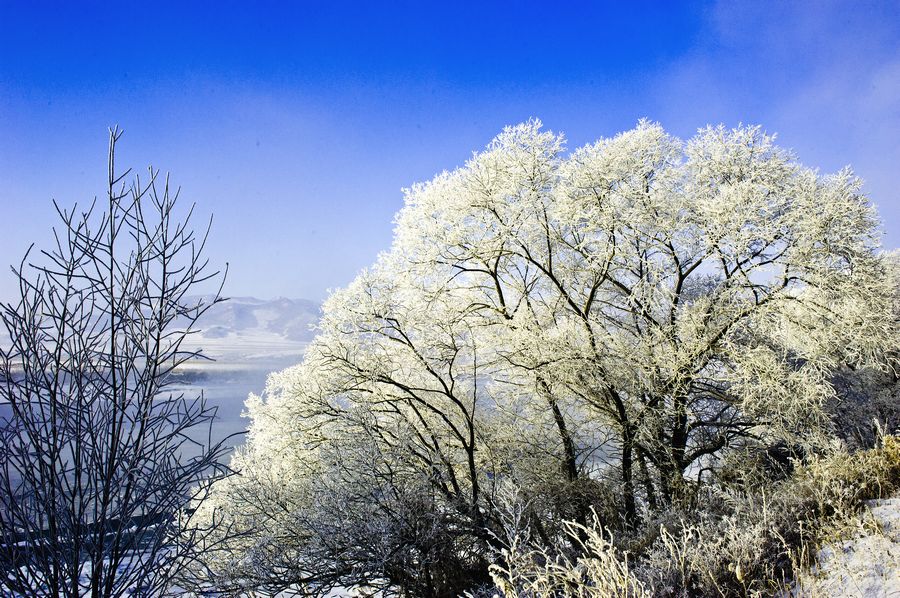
[(752, 541), (596, 569)]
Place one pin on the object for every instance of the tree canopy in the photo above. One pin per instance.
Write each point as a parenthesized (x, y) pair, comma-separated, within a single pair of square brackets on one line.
[(601, 330)]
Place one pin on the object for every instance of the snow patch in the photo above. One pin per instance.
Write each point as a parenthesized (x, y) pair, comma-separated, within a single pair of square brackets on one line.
[(867, 566)]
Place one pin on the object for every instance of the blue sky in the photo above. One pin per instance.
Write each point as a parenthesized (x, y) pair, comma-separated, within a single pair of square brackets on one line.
[(297, 124)]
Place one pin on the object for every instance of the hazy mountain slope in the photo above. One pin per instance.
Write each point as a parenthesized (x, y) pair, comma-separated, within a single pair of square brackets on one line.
[(249, 332), (247, 329)]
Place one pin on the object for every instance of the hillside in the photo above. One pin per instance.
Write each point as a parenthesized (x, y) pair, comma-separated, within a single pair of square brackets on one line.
[(250, 330), (865, 565)]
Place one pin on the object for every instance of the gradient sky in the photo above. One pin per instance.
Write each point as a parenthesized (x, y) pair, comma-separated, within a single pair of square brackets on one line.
[(297, 124)]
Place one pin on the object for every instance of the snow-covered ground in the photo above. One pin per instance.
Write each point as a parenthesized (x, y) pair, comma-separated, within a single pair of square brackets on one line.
[(865, 566)]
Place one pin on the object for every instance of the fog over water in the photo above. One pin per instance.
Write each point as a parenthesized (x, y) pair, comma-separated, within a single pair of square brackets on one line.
[(246, 339), (227, 388)]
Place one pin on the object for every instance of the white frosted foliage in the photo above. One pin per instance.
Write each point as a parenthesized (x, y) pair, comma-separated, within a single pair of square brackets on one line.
[(630, 311)]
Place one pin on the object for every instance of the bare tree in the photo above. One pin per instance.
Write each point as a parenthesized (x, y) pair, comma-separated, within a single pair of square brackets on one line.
[(101, 462)]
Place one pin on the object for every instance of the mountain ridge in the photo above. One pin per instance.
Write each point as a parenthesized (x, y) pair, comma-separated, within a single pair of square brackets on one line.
[(249, 330), (252, 329)]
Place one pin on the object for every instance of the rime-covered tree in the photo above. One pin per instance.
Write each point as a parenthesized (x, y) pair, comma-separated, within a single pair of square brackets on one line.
[(599, 327)]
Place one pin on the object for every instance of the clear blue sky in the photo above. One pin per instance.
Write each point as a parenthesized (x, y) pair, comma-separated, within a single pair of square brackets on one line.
[(297, 124)]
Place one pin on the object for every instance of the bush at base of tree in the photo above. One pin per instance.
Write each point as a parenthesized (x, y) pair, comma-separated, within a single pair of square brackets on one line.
[(749, 541)]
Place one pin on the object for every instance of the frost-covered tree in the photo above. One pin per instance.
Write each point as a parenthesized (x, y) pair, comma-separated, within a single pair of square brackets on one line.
[(867, 401), (599, 327)]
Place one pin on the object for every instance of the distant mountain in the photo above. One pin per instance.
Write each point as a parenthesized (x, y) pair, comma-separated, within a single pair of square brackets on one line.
[(292, 319), (251, 332), (251, 329)]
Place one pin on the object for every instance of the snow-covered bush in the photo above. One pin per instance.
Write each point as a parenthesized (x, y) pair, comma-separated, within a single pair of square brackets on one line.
[(597, 569), (753, 541)]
